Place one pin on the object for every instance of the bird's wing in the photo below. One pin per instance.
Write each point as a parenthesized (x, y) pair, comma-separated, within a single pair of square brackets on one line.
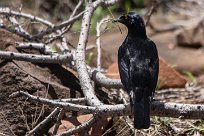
[(123, 65), (154, 68), (144, 68)]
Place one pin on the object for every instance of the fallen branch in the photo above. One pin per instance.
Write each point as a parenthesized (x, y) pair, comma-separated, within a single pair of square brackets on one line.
[(16, 31), (44, 122), (175, 110), (72, 100), (58, 123), (38, 46), (80, 127), (158, 108), (36, 58)]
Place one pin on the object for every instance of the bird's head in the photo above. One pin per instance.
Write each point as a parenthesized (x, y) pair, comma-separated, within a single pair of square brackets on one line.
[(133, 22)]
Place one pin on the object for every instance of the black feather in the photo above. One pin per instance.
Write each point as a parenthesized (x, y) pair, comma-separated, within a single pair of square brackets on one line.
[(138, 66)]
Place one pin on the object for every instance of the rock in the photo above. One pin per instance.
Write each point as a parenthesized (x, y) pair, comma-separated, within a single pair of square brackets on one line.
[(96, 130), (112, 71), (191, 36), (168, 77), (183, 58)]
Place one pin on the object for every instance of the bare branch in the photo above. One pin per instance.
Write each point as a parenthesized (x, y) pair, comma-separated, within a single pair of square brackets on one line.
[(80, 58), (98, 40), (44, 122), (38, 46), (72, 100), (80, 53), (57, 27), (58, 123), (184, 111), (104, 81), (36, 58), (9, 12), (16, 31), (80, 127), (65, 105), (158, 108), (18, 27), (65, 29)]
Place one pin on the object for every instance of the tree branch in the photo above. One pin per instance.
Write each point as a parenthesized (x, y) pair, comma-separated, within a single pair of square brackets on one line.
[(57, 27), (9, 12), (102, 80), (158, 108), (36, 58), (58, 123), (98, 40), (38, 46), (80, 127), (80, 53), (16, 31), (80, 58), (44, 122)]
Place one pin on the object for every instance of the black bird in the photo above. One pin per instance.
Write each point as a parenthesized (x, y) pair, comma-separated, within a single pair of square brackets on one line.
[(138, 65)]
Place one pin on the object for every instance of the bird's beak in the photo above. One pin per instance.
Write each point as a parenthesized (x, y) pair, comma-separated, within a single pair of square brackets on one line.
[(117, 20)]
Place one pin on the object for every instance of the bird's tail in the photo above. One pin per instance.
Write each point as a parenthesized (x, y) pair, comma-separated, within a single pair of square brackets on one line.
[(142, 113)]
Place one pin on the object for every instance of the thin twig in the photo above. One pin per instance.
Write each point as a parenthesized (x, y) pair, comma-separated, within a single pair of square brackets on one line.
[(9, 12), (18, 27), (44, 122), (72, 100), (16, 31), (58, 123), (57, 27), (80, 127), (65, 29), (98, 40)]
